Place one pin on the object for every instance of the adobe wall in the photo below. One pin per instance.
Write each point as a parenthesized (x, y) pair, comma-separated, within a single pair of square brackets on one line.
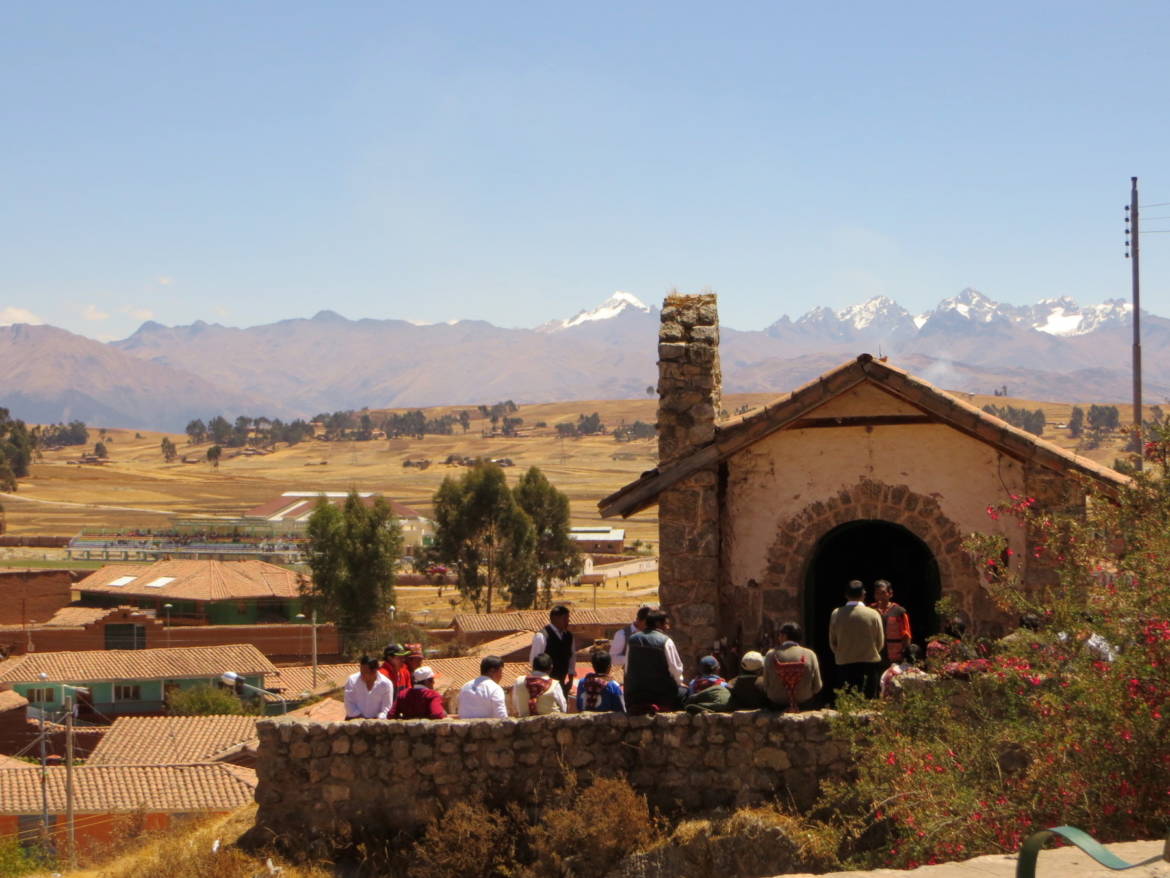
[(27, 595), (320, 784)]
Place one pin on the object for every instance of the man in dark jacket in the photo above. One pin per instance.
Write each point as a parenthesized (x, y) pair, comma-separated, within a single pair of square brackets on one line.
[(653, 669), (556, 640)]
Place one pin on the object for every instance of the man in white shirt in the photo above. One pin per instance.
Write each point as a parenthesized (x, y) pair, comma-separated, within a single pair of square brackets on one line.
[(368, 694), (483, 697), (617, 648), (537, 693)]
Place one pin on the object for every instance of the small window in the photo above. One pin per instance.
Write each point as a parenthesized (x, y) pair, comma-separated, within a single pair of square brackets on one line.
[(127, 692), (122, 580), (41, 695), (160, 582)]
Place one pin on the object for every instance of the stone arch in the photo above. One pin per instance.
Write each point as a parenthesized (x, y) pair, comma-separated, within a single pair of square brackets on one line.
[(758, 607)]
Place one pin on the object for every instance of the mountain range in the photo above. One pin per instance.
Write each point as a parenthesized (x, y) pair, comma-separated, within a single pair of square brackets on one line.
[(162, 376)]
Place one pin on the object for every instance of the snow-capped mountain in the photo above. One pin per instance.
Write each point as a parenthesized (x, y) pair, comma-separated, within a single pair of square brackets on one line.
[(619, 303)]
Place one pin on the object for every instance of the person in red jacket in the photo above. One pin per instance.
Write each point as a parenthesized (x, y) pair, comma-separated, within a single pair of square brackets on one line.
[(895, 619), (420, 701), (394, 666)]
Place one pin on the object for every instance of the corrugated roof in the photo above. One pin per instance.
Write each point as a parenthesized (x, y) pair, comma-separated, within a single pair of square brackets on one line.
[(195, 580), (169, 740), (534, 620), (102, 789), (135, 664)]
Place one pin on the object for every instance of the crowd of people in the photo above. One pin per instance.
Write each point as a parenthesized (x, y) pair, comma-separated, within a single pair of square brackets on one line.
[(871, 646)]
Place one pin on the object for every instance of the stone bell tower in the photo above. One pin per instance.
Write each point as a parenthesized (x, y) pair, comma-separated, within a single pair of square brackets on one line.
[(689, 400)]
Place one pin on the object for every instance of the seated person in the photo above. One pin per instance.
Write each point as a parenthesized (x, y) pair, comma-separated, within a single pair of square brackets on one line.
[(534, 694), (907, 666), (420, 701), (708, 691), (747, 690), (790, 650), (598, 691)]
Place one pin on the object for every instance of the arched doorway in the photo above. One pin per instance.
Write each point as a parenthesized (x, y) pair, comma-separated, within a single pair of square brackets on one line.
[(868, 550)]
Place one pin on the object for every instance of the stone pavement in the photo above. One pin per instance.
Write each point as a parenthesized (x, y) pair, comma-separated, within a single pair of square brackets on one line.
[(1066, 862)]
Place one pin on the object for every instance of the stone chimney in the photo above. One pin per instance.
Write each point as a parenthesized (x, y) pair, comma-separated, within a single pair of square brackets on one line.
[(689, 390), (689, 379)]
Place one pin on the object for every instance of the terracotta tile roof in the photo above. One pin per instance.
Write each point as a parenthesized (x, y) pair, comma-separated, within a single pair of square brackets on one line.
[(452, 673), (292, 681), (75, 617), (135, 664), (327, 710), (168, 740), (12, 762), (11, 700), (534, 620), (504, 646), (936, 405), (195, 580), (102, 789)]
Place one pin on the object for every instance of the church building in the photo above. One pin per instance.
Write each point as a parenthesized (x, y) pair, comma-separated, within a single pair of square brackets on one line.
[(866, 472)]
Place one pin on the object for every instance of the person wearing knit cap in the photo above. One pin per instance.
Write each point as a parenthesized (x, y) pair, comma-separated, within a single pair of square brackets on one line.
[(708, 691), (747, 690), (420, 701)]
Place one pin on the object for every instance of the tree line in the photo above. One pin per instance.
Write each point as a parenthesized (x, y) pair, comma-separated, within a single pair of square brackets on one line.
[(503, 543), (1032, 421), (260, 431)]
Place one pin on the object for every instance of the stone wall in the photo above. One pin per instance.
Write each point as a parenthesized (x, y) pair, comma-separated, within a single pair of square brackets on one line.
[(689, 400), (323, 784)]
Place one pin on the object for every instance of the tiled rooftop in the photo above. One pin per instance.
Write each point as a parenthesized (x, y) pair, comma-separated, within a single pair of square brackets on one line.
[(503, 646), (135, 664), (194, 580), (534, 620), (101, 789), (166, 740), (10, 700), (292, 681)]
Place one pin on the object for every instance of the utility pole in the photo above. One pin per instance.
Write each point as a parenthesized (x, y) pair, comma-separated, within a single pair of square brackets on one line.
[(44, 766), (71, 837), (1135, 265), (314, 618)]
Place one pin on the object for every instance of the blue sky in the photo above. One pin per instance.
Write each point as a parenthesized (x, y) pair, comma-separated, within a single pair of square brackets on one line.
[(516, 162)]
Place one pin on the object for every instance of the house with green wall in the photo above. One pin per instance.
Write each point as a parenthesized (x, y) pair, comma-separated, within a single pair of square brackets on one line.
[(186, 592), (125, 682)]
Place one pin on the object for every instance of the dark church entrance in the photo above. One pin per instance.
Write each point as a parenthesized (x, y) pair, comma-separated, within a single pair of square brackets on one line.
[(869, 550)]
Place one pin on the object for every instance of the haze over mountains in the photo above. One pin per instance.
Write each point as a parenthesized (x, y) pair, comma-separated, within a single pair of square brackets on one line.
[(163, 376)]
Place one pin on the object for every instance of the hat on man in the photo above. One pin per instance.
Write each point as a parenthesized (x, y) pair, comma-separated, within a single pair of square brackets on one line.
[(395, 649), (414, 650), (421, 675), (708, 664), (751, 661)]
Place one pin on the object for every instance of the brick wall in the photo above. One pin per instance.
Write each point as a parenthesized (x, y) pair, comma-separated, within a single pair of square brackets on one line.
[(33, 594)]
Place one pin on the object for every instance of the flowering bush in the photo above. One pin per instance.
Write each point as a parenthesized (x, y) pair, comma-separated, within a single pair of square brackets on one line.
[(1064, 722)]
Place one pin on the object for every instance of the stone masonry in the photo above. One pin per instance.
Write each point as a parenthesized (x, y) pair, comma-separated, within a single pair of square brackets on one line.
[(322, 785), (689, 394)]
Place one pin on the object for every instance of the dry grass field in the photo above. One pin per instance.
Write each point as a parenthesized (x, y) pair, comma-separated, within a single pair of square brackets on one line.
[(136, 488)]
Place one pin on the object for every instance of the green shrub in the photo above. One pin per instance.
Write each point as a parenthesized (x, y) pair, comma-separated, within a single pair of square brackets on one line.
[(1066, 724), (207, 700)]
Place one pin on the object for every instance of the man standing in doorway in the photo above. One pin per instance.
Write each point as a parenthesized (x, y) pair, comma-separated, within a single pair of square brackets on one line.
[(895, 620), (856, 638), (556, 640)]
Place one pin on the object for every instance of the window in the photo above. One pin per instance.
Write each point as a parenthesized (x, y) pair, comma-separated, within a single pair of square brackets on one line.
[(160, 582), (127, 636), (122, 580), (127, 692), (41, 695)]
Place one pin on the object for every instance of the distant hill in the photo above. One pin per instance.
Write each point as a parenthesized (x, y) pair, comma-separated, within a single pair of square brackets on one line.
[(163, 376)]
